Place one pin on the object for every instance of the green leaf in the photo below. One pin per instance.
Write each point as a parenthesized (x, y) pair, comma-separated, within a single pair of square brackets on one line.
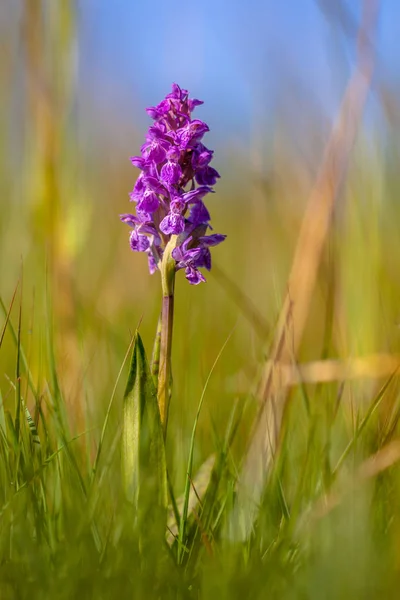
[(143, 450), (199, 486)]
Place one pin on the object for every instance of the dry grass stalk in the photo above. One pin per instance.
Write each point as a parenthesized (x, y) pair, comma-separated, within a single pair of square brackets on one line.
[(373, 366), (382, 460), (47, 103), (302, 279)]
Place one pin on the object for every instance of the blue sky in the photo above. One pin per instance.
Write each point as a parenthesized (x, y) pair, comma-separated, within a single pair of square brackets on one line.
[(242, 57)]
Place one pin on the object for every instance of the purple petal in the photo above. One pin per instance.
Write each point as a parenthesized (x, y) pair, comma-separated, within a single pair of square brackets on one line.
[(152, 264), (191, 133), (147, 228), (157, 112), (172, 224), (155, 185), (207, 176), (204, 259), (187, 258), (177, 254), (173, 153), (177, 205), (191, 228), (199, 214), (193, 103), (138, 243), (188, 241), (212, 240), (138, 161), (202, 156), (138, 189), (149, 202), (158, 132), (182, 118), (197, 194), (143, 216), (129, 219), (194, 276), (152, 112), (150, 229), (154, 151), (178, 93), (171, 173)]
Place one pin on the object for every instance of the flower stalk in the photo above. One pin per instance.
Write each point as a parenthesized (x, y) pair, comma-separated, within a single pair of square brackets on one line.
[(171, 219), (164, 374), (168, 271)]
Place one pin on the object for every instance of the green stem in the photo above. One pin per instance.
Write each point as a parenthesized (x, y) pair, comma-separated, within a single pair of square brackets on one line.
[(164, 376), (155, 358), (167, 319)]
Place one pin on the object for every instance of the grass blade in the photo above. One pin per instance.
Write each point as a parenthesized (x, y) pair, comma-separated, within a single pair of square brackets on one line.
[(374, 405), (185, 511)]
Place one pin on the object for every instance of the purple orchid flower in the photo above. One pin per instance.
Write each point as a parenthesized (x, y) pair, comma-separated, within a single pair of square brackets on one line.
[(175, 176)]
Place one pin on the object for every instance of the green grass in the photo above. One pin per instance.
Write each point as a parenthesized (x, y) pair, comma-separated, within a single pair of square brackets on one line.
[(322, 528)]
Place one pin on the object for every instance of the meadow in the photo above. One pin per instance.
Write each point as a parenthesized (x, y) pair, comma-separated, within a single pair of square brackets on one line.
[(282, 452)]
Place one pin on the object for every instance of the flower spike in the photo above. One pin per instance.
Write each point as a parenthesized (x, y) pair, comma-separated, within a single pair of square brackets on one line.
[(175, 177)]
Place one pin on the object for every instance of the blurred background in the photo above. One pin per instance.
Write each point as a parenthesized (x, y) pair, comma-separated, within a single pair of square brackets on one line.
[(76, 77)]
